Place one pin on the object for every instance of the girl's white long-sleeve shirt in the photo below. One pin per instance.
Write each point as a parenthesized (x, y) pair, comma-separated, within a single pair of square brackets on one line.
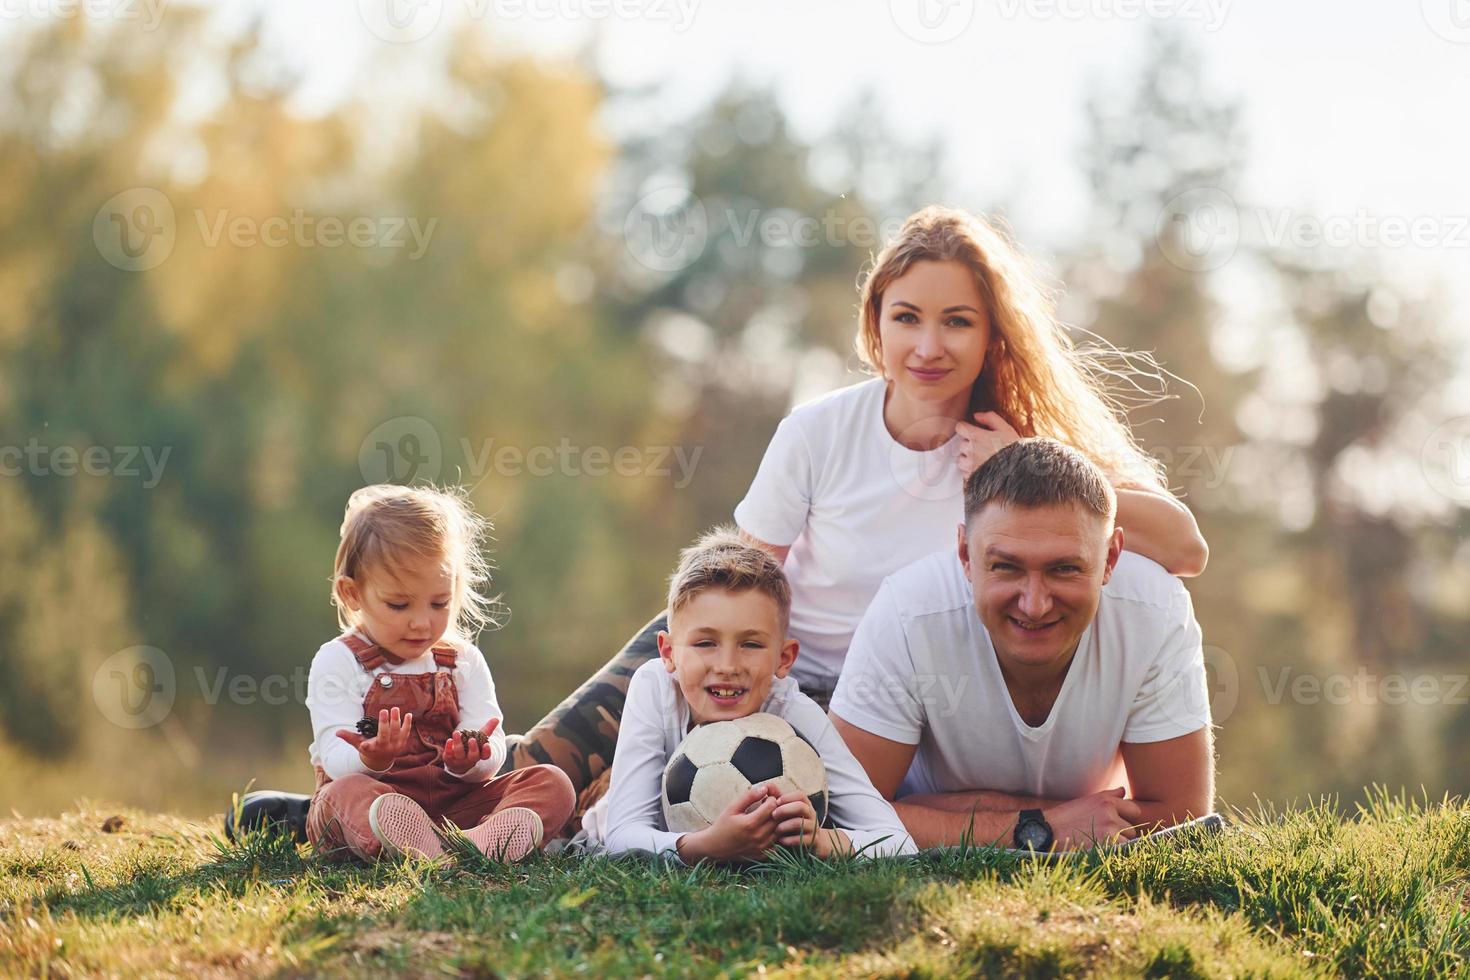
[(338, 684), (656, 719)]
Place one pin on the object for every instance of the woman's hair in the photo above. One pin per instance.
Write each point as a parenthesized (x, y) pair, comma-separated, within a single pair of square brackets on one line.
[(387, 525), (1034, 376)]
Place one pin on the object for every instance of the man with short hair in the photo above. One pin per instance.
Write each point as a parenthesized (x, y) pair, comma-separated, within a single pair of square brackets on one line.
[(1040, 688)]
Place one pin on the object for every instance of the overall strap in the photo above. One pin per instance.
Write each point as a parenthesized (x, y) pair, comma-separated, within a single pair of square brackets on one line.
[(372, 656), (445, 655), (368, 654)]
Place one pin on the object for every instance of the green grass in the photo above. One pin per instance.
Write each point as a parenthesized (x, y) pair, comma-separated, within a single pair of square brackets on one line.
[(1299, 892)]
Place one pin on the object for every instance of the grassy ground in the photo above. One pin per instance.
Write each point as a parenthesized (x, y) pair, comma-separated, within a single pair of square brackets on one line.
[(1297, 893)]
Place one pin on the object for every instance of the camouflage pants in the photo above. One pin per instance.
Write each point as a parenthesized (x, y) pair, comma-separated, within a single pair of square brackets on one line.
[(580, 734)]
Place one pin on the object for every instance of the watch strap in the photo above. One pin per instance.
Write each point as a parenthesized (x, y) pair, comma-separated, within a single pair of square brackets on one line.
[(1037, 817)]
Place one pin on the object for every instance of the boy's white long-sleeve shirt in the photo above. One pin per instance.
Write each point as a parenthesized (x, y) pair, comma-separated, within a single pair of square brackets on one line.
[(655, 721), (338, 684)]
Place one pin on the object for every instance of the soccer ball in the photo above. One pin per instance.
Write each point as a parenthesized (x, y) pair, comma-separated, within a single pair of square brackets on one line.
[(718, 761)]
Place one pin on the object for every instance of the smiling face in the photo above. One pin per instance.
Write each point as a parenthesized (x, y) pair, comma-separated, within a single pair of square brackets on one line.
[(934, 332), (405, 609), (725, 649), (1037, 574)]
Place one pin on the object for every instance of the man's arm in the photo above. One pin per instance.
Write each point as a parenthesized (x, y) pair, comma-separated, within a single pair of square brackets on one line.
[(1173, 780), (979, 799), (935, 820), (933, 827), (885, 761)]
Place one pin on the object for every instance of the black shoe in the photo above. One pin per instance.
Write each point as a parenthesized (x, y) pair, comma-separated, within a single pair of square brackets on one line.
[(281, 812)]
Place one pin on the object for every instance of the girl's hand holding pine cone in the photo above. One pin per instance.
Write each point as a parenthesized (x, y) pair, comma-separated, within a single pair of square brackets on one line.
[(464, 749), (395, 732)]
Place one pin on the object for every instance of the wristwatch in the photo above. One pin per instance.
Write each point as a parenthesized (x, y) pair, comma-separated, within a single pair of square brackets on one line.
[(1033, 833)]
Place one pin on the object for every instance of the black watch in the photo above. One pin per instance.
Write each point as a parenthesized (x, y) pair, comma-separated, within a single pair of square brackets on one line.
[(1033, 833)]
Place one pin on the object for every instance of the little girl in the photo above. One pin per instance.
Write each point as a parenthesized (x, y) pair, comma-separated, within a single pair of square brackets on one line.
[(405, 587)]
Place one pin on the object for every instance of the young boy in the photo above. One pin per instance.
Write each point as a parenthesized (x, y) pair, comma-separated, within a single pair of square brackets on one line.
[(726, 655)]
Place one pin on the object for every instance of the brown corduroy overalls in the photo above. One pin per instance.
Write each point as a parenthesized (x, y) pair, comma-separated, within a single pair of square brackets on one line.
[(338, 817)]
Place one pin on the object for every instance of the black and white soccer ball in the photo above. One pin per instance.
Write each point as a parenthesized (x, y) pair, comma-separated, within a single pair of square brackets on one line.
[(718, 761)]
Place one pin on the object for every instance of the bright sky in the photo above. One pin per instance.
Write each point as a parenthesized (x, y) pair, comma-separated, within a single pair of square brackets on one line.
[(1353, 111), (1373, 90)]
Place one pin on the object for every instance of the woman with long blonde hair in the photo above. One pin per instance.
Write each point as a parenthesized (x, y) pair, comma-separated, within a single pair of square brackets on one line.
[(968, 357)]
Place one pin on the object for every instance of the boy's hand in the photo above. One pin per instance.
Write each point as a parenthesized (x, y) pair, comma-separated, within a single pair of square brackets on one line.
[(462, 755), (796, 826), (395, 733), (745, 831)]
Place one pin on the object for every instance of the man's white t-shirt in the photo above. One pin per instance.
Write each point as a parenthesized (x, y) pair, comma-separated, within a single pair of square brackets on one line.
[(656, 719), (922, 671), (855, 506)]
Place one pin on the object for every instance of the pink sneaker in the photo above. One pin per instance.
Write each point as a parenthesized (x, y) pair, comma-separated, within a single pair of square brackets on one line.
[(509, 835), (403, 828)]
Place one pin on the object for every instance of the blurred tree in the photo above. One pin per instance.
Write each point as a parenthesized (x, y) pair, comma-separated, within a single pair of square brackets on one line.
[(261, 368), (1280, 441), (734, 248), (576, 281)]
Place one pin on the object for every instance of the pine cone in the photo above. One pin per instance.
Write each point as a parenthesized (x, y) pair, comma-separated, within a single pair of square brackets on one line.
[(368, 728), (466, 734)]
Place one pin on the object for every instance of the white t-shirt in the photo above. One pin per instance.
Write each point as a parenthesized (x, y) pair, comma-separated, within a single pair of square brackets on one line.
[(337, 685), (855, 506), (656, 719), (922, 671)]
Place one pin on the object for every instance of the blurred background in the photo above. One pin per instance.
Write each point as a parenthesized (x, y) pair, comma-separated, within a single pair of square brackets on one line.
[(582, 255)]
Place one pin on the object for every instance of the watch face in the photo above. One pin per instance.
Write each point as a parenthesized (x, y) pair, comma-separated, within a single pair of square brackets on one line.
[(1032, 835)]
